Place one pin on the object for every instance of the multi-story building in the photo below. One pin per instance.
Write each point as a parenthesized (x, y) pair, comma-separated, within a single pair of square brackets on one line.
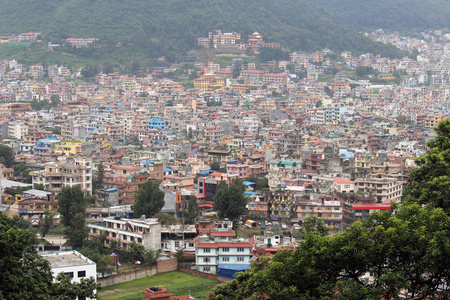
[(175, 237), (259, 208), (209, 82), (242, 170), (156, 124), (276, 79), (212, 133), (221, 253), (17, 129), (146, 232), (281, 205), (221, 40), (57, 175), (381, 188), (312, 163)]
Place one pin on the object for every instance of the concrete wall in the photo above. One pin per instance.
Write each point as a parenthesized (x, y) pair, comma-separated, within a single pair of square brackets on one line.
[(166, 265)]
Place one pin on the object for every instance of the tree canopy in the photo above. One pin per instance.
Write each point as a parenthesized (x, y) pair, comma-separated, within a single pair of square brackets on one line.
[(78, 232), (407, 253), (71, 201), (192, 210), (229, 201), (405, 250), (429, 183), (26, 275), (6, 156), (149, 200)]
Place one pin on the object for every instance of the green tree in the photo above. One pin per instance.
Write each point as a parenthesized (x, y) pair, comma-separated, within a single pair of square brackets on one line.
[(23, 273), (55, 101), (429, 182), (409, 251), (149, 200), (45, 223), (99, 176), (192, 210), (229, 200), (26, 275), (39, 186), (166, 219), (71, 201), (6, 156), (65, 289), (215, 166), (78, 232)]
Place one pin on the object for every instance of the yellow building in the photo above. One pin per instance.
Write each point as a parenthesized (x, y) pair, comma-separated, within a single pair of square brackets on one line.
[(209, 82), (69, 147), (243, 87)]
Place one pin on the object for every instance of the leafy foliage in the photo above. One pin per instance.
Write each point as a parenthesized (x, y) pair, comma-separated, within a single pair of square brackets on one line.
[(399, 14), (409, 251), (229, 200), (152, 28), (149, 200), (99, 175), (26, 275), (78, 231), (71, 201), (6, 156), (46, 223), (429, 183), (192, 210)]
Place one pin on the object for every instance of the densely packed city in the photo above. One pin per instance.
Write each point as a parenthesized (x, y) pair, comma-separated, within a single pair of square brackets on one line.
[(323, 134)]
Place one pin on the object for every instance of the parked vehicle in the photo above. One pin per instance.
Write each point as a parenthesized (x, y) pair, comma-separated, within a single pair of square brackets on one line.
[(250, 223)]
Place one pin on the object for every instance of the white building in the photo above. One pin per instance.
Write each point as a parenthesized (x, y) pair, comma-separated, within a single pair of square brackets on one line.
[(17, 130), (71, 263), (146, 232), (175, 237)]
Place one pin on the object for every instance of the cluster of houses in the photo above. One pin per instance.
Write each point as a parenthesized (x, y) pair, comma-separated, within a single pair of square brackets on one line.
[(321, 145)]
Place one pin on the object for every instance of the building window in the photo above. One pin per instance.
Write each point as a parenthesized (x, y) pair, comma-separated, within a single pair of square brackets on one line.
[(226, 249), (81, 274), (177, 244), (206, 259), (206, 269), (70, 274), (207, 250), (225, 258), (240, 249), (240, 258), (191, 245)]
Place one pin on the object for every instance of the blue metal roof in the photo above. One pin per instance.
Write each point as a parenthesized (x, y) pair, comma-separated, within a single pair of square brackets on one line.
[(248, 183), (167, 170), (237, 267), (204, 172)]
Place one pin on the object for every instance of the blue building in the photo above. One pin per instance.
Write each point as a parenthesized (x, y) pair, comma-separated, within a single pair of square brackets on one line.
[(156, 124)]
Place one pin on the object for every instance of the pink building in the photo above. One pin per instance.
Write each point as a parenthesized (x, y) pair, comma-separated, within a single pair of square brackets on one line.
[(243, 171)]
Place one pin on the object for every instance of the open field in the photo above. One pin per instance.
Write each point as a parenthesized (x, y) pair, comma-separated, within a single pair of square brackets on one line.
[(176, 282)]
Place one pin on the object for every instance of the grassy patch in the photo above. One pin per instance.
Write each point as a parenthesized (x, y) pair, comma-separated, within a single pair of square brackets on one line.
[(247, 233), (177, 282)]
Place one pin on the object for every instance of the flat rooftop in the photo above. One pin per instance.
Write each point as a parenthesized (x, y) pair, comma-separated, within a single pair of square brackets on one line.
[(66, 259)]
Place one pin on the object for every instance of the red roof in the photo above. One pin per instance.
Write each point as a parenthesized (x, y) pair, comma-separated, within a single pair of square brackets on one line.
[(206, 204), (371, 206), (216, 174), (340, 180), (252, 71), (223, 233)]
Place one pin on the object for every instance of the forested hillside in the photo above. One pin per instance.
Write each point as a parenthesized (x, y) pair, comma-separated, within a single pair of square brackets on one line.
[(171, 26), (388, 14)]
